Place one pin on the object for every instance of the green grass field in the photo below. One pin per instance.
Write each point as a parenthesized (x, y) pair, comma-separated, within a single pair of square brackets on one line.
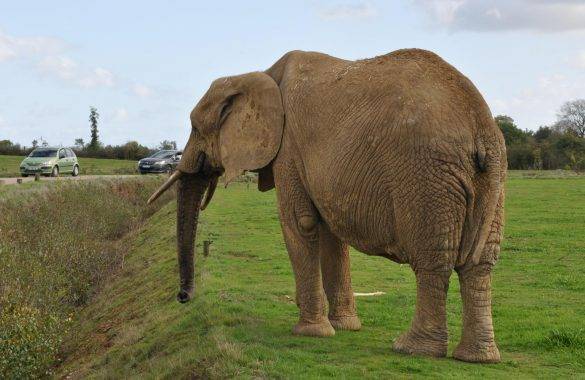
[(9, 166), (239, 323)]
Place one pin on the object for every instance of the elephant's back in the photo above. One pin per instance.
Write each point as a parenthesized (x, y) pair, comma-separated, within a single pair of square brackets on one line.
[(409, 93)]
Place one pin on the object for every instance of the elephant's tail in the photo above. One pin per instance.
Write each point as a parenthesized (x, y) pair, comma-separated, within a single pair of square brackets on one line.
[(482, 197)]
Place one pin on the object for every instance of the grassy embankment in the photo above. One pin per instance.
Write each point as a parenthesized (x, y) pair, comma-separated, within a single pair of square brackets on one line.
[(59, 242), (239, 323), (10, 166)]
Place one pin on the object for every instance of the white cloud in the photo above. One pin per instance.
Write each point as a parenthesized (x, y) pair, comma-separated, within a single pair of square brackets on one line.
[(538, 104), (69, 70), (46, 54), (142, 90), (355, 11), (121, 114), (578, 60), (62, 67), (12, 47), (443, 10), (497, 15), (97, 77)]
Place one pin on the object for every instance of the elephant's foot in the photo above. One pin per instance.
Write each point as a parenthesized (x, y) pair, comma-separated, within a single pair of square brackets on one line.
[(349, 323), (477, 353), (414, 343), (321, 329)]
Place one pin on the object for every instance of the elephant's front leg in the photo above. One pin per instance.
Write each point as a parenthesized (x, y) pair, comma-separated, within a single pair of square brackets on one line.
[(428, 333), (337, 281), (300, 226)]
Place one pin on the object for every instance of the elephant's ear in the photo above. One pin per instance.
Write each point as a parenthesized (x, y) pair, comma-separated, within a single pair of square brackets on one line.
[(252, 124)]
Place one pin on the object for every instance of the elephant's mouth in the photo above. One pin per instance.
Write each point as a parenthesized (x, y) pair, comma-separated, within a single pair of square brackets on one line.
[(194, 193)]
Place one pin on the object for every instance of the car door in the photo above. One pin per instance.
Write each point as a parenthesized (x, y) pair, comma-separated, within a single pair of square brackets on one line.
[(72, 158), (64, 165)]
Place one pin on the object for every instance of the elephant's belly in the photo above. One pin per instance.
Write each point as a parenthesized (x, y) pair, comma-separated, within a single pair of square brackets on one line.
[(365, 223)]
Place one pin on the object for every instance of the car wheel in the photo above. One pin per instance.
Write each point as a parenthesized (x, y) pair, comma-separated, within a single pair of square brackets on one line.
[(169, 169), (55, 172), (75, 171), (143, 173)]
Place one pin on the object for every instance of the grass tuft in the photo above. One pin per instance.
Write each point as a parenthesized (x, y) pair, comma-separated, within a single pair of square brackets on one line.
[(565, 338)]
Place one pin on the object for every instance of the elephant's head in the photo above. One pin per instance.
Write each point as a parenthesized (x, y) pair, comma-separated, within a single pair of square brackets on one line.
[(236, 126)]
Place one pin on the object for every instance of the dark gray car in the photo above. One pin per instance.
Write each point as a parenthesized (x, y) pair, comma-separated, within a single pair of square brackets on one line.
[(163, 161)]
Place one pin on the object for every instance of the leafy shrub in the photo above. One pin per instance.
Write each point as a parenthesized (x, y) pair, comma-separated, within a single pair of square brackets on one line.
[(58, 244)]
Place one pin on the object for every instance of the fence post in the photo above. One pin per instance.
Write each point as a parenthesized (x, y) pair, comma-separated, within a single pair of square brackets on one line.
[(206, 245), (19, 180), (37, 176)]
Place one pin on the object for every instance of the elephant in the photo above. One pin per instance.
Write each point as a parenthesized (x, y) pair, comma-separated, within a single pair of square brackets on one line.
[(397, 156)]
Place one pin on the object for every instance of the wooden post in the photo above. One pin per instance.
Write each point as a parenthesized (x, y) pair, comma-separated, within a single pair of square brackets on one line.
[(37, 176), (19, 180), (206, 245)]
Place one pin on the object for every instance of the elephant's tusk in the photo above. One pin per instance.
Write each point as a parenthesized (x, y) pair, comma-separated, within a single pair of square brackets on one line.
[(210, 191), (165, 186)]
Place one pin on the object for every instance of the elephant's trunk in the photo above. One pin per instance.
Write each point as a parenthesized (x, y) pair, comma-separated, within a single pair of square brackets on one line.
[(190, 190)]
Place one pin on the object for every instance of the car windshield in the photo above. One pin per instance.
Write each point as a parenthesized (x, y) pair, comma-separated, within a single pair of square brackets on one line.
[(43, 153), (163, 154)]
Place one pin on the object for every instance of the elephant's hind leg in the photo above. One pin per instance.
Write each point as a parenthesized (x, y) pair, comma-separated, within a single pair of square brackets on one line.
[(428, 332), (337, 281), (477, 341), (431, 233)]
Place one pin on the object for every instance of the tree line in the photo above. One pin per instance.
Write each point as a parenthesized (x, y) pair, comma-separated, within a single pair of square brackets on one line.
[(132, 150), (558, 146)]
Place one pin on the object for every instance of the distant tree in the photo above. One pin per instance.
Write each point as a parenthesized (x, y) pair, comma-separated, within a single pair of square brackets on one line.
[(132, 150), (94, 143), (543, 133), (8, 147), (512, 134), (571, 117), (79, 143), (167, 145)]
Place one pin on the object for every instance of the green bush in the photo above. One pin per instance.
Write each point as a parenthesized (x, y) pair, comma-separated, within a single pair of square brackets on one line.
[(58, 243)]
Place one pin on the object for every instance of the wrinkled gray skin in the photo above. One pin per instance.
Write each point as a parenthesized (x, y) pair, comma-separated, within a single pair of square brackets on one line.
[(397, 156)]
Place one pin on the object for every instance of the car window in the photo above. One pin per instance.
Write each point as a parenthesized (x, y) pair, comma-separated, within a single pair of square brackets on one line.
[(160, 154), (62, 153), (43, 152), (164, 154), (70, 153)]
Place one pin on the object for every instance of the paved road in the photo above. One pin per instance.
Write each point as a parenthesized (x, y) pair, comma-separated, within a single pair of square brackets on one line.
[(12, 181)]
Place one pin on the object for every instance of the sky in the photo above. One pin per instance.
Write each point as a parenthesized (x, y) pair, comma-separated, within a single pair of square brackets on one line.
[(145, 64)]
